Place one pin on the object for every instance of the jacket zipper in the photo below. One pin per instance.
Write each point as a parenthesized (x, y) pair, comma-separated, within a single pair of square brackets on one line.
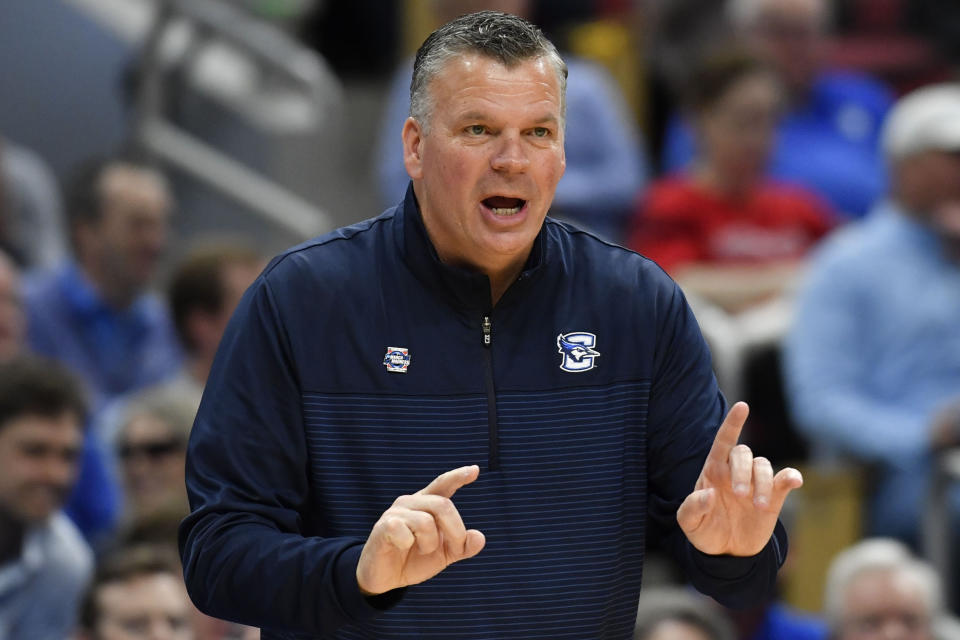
[(494, 459)]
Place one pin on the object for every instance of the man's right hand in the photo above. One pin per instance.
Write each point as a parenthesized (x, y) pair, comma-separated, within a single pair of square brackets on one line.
[(418, 537)]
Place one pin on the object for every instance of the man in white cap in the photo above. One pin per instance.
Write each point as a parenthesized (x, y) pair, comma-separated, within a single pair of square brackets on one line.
[(873, 360)]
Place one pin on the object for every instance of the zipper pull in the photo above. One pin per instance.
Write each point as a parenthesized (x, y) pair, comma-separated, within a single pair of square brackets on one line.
[(485, 326)]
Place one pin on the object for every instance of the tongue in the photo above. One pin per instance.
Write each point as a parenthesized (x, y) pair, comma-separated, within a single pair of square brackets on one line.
[(500, 202)]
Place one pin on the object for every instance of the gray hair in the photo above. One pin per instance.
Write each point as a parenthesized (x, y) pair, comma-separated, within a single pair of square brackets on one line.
[(503, 37), (877, 554), (673, 604), (169, 405)]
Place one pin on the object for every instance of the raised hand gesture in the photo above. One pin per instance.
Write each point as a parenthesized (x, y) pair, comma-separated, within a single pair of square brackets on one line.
[(418, 536), (737, 499)]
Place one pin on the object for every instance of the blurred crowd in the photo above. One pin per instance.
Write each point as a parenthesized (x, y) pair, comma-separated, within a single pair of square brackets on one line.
[(793, 164)]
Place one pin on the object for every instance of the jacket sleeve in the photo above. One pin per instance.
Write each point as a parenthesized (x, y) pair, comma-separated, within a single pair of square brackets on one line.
[(245, 557), (685, 411)]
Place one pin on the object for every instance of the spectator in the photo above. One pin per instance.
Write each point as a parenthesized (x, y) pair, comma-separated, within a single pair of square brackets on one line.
[(203, 293), (873, 359), (829, 139), (44, 562), (95, 314), (151, 447), (605, 163), (722, 229), (12, 319), (876, 590), (679, 614), (137, 594), (31, 215)]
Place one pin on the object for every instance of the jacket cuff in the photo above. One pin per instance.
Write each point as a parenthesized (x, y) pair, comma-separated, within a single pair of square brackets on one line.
[(354, 603), (737, 582)]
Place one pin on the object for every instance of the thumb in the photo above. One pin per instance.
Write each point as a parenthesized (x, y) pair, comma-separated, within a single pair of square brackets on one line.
[(473, 544), (697, 505)]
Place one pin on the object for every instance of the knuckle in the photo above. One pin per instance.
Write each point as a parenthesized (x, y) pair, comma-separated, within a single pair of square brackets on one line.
[(402, 500), (445, 506), (742, 450)]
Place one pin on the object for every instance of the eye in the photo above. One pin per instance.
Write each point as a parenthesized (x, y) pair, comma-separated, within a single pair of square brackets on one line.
[(476, 129), (541, 132)]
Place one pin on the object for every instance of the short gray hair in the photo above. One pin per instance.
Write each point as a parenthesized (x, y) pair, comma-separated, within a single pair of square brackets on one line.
[(877, 554), (503, 37), (674, 604)]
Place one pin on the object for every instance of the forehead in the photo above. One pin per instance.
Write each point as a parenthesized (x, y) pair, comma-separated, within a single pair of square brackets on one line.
[(63, 430), (143, 425), (471, 81), (884, 589), (123, 183), (158, 591)]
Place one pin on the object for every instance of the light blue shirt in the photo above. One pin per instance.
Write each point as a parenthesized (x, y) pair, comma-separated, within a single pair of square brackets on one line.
[(874, 353), (606, 168), (40, 591)]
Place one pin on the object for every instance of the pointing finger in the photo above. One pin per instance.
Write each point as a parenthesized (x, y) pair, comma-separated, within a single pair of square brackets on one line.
[(446, 484), (729, 433)]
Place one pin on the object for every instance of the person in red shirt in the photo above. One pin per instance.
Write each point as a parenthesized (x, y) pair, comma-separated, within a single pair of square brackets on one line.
[(723, 230)]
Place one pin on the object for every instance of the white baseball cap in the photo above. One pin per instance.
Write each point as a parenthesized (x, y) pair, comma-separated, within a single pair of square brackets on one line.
[(923, 120)]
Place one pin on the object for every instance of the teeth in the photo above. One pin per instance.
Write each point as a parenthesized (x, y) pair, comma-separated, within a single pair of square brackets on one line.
[(497, 211)]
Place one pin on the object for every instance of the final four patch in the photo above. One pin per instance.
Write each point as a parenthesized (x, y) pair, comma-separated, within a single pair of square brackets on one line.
[(397, 359)]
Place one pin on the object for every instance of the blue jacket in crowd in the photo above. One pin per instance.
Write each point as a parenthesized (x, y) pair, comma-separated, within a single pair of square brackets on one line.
[(358, 367)]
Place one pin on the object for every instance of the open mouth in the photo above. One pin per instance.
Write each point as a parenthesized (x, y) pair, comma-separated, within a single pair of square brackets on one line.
[(504, 206)]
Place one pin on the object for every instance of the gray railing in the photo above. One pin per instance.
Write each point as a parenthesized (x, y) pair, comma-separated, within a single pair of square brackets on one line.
[(271, 49)]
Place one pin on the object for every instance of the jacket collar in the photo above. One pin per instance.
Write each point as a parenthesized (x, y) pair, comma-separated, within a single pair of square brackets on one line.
[(465, 289)]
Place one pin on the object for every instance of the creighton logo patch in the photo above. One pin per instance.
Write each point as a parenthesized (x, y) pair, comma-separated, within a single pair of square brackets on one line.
[(397, 359), (577, 351)]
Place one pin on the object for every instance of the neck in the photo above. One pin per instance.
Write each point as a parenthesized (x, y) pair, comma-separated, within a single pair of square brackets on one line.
[(706, 175), (11, 537), (500, 281), (116, 296), (199, 368)]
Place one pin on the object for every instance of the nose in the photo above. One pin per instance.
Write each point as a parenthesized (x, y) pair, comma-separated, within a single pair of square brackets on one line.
[(59, 473), (510, 155)]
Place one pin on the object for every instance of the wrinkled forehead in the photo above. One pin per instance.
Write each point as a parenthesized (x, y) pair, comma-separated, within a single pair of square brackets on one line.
[(474, 75)]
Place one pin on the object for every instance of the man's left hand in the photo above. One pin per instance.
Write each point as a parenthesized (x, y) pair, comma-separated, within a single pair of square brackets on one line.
[(737, 499)]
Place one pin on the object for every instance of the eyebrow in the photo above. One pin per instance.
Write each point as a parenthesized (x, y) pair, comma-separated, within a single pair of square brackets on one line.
[(477, 115)]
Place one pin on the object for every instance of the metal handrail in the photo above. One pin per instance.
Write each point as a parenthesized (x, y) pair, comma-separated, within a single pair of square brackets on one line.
[(938, 535), (268, 45)]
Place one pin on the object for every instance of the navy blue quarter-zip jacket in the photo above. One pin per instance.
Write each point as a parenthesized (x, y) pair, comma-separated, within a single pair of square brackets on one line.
[(359, 367)]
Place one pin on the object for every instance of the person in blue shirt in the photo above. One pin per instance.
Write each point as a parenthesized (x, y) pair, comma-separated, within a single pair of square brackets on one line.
[(44, 562), (462, 419), (606, 167), (872, 363), (95, 312), (828, 138)]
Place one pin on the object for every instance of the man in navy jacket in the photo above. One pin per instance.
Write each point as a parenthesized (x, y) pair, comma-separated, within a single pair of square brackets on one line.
[(463, 331)]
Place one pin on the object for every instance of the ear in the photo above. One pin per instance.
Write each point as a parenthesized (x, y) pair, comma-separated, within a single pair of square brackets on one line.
[(412, 148), (85, 235)]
